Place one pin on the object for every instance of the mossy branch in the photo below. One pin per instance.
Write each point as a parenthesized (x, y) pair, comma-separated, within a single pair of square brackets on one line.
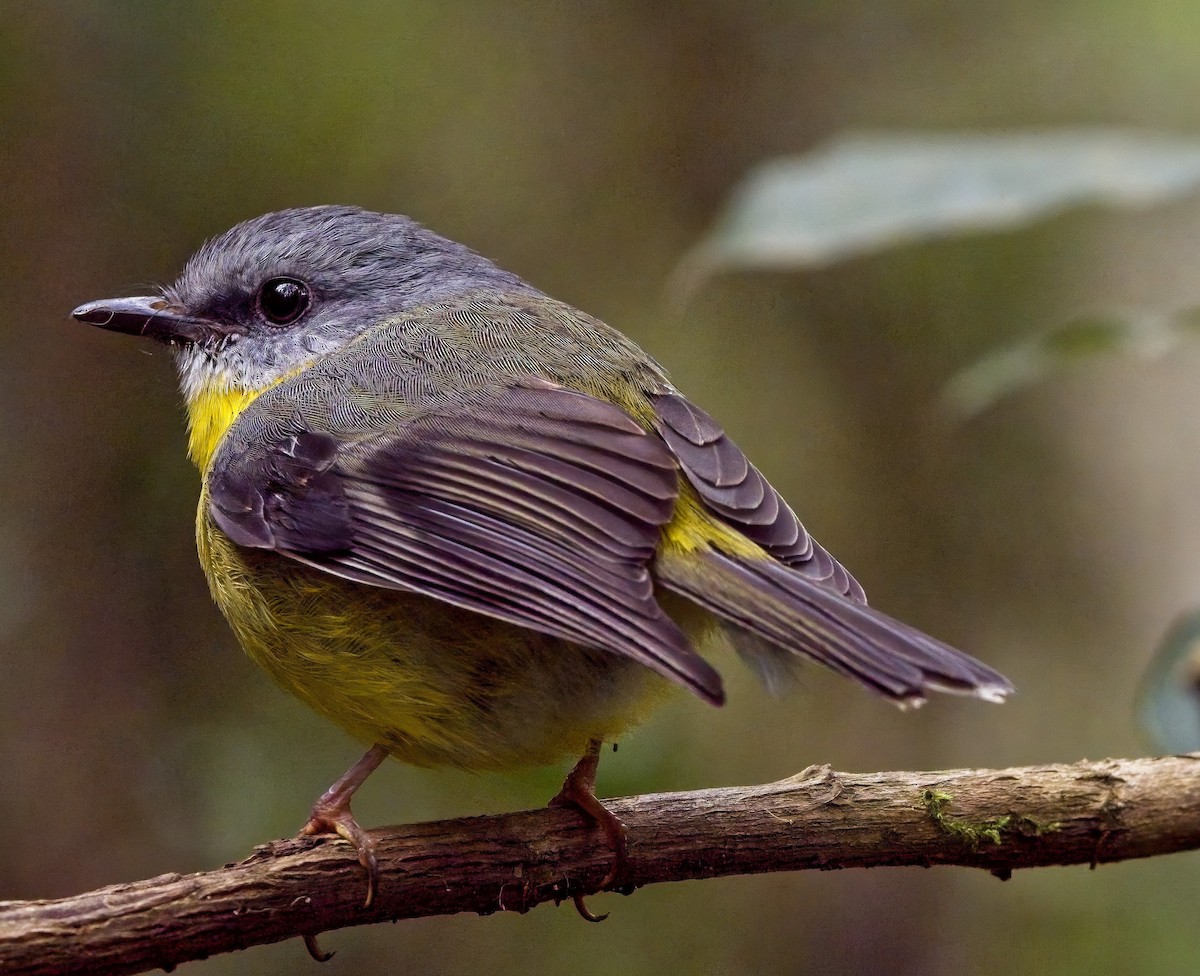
[(998, 820)]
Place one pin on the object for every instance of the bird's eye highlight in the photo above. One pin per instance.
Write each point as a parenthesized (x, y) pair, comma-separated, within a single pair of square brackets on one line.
[(283, 300)]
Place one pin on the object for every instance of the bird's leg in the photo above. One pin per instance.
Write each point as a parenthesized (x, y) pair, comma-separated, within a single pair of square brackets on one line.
[(331, 815), (579, 790)]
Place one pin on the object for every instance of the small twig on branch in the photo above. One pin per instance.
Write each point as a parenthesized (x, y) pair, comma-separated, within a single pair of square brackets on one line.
[(998, 820)]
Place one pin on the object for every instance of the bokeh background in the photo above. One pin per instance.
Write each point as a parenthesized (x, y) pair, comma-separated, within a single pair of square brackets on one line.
[(587, 146)]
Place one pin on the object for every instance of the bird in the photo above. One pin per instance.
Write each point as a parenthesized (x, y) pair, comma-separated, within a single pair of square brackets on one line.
[(474, 526)]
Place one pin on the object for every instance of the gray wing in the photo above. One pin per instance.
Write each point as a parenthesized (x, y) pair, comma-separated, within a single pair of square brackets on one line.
[(735, 490), (795, 601), (533, 504)]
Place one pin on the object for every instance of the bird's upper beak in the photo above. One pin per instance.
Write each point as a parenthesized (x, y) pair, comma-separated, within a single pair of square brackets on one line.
[(149, 316)]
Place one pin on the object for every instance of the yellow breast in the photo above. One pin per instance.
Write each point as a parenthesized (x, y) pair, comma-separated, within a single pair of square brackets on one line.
[(210, 412)]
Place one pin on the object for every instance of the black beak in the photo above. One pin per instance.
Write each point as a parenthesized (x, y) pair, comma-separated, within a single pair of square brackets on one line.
[(149, 316)]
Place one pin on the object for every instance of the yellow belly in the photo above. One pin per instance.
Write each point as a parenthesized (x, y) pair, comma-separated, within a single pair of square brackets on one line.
[(434, 684)]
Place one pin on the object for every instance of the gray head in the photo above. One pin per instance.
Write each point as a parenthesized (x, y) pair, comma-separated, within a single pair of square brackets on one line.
[(275, 293)]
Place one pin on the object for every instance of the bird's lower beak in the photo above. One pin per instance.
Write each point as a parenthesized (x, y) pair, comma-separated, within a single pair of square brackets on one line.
[(148, 316)]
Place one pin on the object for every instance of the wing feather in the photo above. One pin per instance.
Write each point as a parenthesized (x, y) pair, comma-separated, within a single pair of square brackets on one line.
[(735, 491), (533, 504)]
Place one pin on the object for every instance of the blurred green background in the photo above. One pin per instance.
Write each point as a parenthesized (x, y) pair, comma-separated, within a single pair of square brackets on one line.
[(587, 146)]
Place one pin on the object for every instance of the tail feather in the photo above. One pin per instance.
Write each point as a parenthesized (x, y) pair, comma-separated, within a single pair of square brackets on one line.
[(800, 616)]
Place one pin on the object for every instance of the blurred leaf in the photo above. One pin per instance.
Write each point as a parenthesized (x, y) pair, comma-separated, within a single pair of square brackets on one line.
[(869, 192), (1169, 701), (1008, 369)]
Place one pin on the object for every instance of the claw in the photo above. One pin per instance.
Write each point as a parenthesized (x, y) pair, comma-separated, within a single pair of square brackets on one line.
[(331, 814), (580, 903), (314, 950), (579, 791)]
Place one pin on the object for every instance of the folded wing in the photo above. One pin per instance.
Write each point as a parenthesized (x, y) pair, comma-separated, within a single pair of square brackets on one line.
[(533, 504)]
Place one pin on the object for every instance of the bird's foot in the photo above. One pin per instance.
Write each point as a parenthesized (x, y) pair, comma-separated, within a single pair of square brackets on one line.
[(331, 815), (340, 821), (579, 791)]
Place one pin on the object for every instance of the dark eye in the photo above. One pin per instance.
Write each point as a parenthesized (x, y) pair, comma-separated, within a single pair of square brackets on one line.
[(283, 300)]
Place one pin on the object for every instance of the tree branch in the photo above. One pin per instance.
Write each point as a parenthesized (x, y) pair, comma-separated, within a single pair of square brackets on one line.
[(998, 820)]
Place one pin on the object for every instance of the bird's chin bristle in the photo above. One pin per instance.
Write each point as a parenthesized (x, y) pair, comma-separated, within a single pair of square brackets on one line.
[(909, 704)]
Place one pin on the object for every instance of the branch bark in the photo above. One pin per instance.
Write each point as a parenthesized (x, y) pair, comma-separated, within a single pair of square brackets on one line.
[(998, 820)]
